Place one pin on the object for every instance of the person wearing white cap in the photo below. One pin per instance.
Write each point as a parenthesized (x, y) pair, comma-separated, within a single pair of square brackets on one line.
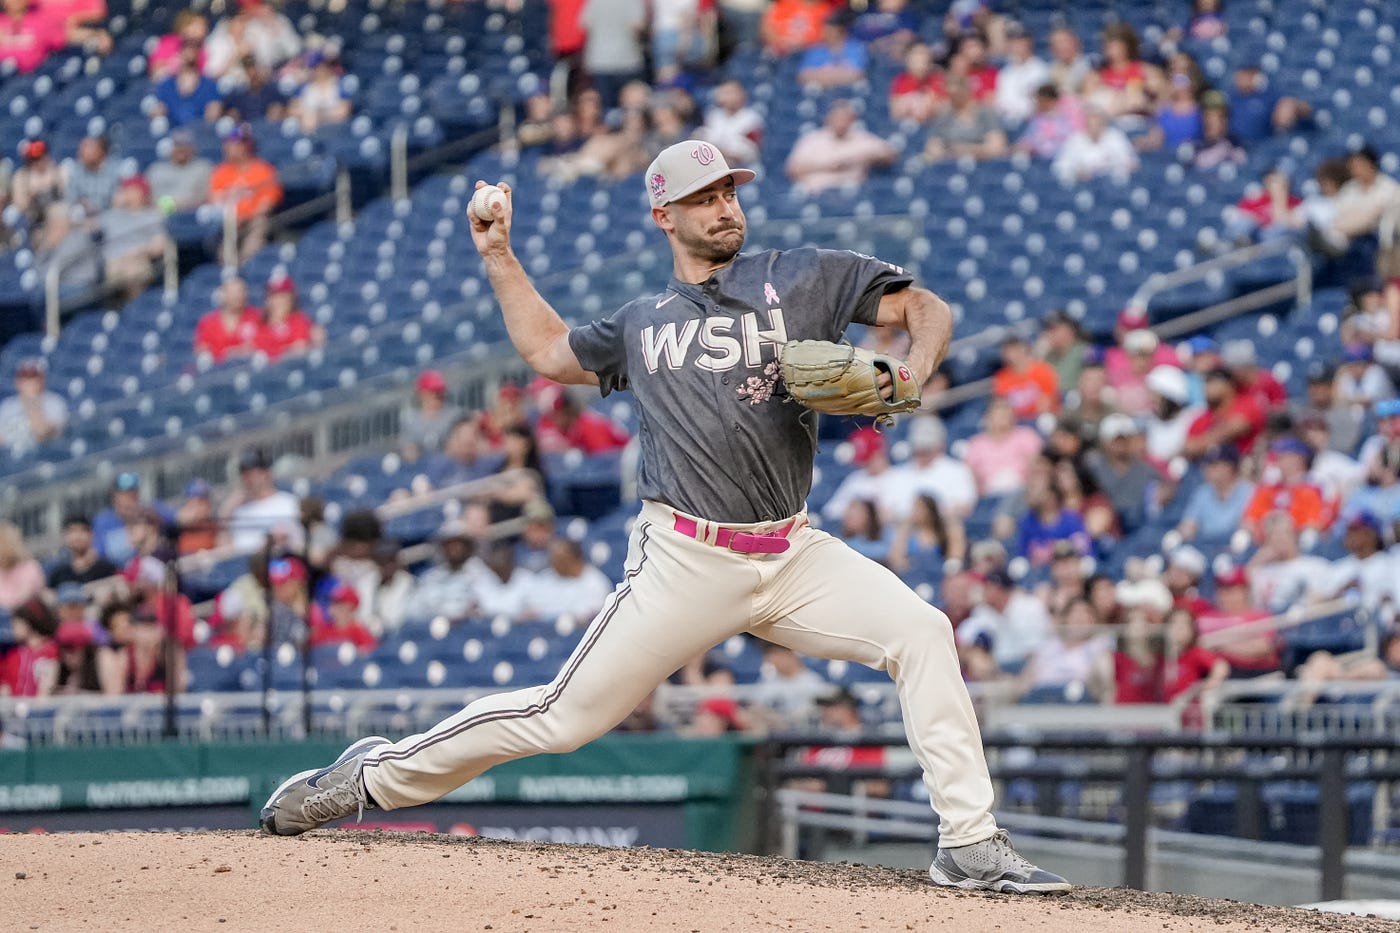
[(931, 471), (1121, 472), (1172, 413), (838, 153), (723, 544)]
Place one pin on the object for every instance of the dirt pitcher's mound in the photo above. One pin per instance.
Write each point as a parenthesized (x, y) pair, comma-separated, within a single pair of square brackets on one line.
[(358, 880)]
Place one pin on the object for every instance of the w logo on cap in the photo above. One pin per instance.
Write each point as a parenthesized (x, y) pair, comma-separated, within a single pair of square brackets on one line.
[(703, 153)]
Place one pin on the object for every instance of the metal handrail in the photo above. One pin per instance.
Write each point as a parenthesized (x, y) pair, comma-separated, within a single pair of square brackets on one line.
[(1160, 282)]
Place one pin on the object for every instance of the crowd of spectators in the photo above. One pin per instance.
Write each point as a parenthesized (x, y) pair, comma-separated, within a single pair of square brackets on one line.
[(106, 591)]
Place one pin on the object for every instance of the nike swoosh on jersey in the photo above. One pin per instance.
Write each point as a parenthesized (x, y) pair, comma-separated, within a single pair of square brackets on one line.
[(666, 299)]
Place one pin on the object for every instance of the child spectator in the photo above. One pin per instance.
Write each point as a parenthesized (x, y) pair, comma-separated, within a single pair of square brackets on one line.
[(230, 330), (1178, 119), (285, 328), (247, 184), (341, 623), (31, 665)]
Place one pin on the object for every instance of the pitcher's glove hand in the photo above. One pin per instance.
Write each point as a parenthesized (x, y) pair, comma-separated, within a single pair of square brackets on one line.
[(839, 379)]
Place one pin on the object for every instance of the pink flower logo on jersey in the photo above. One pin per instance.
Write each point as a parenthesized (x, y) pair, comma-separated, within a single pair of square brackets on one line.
[(658, 184), (703, 153), (905, 374), (770, 294), (759, 389)]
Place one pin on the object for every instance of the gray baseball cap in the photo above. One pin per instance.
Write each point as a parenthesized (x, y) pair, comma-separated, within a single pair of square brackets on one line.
[(687, 167)]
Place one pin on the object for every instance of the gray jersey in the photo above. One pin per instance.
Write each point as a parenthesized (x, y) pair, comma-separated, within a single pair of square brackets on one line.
[(702, 363)]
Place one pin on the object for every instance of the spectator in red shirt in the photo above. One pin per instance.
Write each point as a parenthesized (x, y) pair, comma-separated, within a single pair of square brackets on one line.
[(1120, 86), (1291, 492), (1240, 359), (27, 35), (571, 426), (285, 328), (341, 623), (1249, 654), (1231, 417), (32, 664), (230, 329), (969, 61), (1265, 214), (1137, 663), (918, 93), (1190, 664), (1029, 384)]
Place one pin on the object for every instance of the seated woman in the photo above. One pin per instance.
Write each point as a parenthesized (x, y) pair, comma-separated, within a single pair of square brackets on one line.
[(927, 538), (1072, 658), (862, 529)]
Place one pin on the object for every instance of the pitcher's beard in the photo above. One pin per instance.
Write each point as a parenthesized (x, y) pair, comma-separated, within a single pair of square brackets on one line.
[(716, 248)]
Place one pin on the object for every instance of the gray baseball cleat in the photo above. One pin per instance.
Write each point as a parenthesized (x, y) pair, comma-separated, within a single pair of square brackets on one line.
[(993, 865), (313, 798)]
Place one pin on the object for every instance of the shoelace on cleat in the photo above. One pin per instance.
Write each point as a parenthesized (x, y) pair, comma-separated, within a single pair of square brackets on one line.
[(1001, 842), (334, 802)]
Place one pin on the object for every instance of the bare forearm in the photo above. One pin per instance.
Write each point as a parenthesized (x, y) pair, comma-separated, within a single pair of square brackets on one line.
[(930, 324), (535, 328)]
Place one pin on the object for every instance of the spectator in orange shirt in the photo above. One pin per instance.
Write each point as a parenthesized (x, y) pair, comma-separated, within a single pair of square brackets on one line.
[(285, 328), (341, 624), (794, 25), (1291, 493), (1029, 384), (231, 329), (250, 185)]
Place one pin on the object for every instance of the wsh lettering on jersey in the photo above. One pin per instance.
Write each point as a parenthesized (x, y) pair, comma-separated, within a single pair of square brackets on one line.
[(721, 347)]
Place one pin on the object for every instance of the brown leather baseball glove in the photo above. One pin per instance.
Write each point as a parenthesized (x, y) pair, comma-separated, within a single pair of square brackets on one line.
[(839, 379)]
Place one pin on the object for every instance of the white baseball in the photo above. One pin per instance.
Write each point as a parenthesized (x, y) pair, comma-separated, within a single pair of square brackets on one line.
[(484, 202)]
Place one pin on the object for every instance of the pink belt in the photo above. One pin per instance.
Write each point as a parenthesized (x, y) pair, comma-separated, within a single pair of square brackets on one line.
[(745, 542)]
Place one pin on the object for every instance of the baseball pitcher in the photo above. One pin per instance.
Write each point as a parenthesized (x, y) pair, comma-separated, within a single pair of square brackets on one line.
[(727, 365)]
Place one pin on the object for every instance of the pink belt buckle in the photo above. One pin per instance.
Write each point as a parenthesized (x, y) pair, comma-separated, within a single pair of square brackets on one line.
[(747, 543)]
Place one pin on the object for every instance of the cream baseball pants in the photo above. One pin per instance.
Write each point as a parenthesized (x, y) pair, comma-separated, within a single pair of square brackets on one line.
[(682, 595)]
